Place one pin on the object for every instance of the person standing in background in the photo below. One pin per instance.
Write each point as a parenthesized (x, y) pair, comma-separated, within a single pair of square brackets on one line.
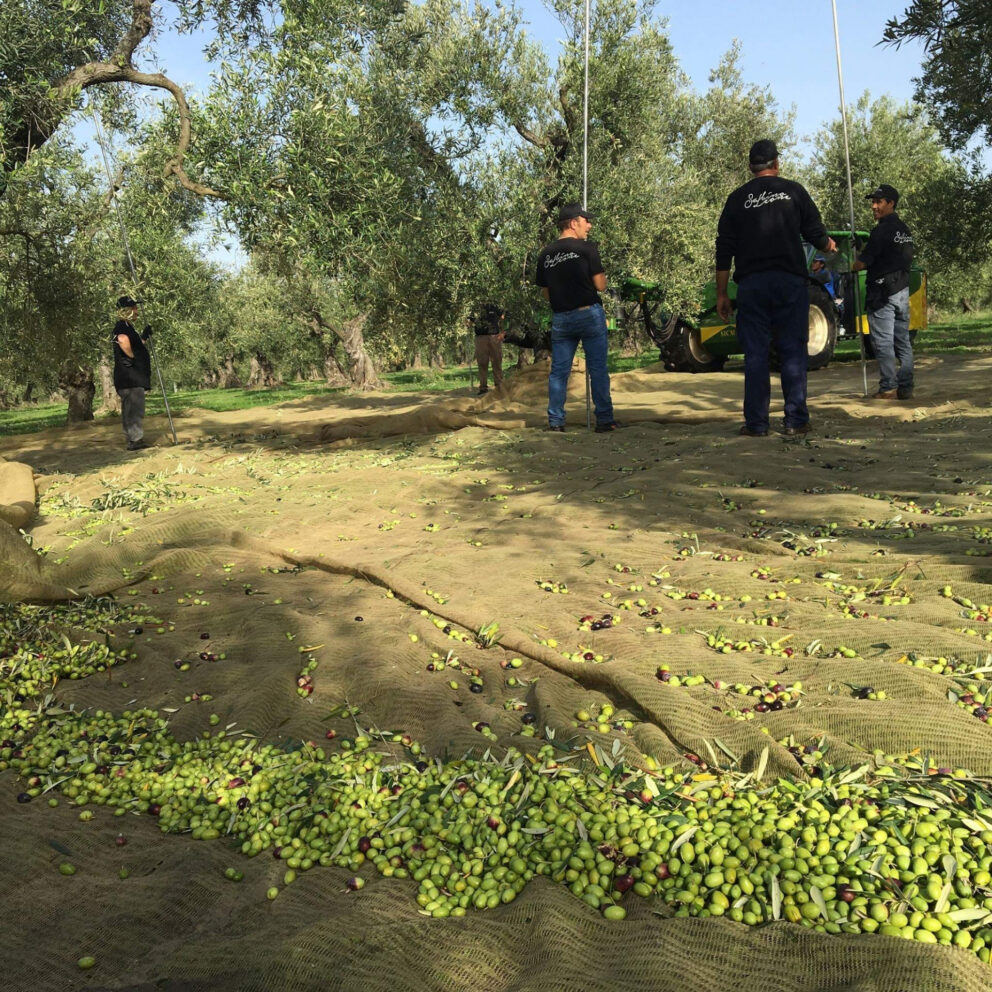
[(570, 274), (489, 334), (888, 257), (132, 371)]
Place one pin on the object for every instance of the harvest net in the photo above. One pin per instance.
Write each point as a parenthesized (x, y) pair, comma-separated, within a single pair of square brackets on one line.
[(434, 579)]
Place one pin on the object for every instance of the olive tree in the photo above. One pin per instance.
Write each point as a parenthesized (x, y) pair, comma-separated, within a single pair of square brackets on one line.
[(956, 77)]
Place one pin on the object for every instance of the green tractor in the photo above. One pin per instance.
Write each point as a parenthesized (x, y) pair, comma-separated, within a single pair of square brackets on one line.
[(703, 344)]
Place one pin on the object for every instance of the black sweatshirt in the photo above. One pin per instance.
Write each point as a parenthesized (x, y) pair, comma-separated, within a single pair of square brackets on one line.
[(565, 268), (762, 225), (130, 373), (889, 249)]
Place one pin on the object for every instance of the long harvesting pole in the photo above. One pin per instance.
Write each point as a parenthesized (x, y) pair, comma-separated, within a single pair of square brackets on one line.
[(850, 202), (585, 184), (130, 262)]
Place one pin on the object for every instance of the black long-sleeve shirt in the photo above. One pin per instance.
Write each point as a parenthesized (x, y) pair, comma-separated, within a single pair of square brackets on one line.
[(130, 373), (889, 249), (762, 225)]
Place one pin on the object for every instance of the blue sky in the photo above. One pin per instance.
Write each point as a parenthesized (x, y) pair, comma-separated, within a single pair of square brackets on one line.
[(787, 45)]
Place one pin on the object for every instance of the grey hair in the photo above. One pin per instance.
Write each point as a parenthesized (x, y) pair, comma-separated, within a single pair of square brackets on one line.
[(762, 166)]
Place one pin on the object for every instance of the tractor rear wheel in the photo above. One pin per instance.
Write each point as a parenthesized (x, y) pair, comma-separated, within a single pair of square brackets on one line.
[(683, 351), (823, 330), (823, 327)]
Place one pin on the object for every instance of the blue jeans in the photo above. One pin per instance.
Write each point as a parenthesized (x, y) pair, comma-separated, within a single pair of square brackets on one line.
[(567, 330), (890, 339), (774, 306)]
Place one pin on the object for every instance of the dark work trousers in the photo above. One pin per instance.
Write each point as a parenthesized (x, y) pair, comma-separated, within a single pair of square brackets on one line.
[(774, 306), (133, 412)]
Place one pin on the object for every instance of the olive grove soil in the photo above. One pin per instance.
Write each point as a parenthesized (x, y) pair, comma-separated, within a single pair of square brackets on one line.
[(341, 529)]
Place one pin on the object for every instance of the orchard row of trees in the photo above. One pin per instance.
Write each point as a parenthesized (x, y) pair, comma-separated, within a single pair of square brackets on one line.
[(387, 166)]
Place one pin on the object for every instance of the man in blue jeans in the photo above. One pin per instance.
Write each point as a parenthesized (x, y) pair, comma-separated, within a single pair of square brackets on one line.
[(571, 277), (760, 229), (888, 257)]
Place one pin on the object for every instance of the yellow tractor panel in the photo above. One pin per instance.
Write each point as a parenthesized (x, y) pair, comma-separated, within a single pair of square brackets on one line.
[(711, 331), (918, 306)]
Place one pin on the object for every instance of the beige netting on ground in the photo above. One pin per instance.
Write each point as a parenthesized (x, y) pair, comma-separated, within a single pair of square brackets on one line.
[(337, 526)]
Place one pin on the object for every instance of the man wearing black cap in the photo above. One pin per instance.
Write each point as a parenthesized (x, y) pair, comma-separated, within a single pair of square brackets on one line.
[(761, 228), (571, 277), (132, 371), (888, 257)]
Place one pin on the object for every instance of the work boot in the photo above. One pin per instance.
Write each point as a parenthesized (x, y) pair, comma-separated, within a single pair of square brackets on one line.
[(746, 431), (482, 391), (137, 445), (793, 431), (886, 394), (606, 428), (905, 392)]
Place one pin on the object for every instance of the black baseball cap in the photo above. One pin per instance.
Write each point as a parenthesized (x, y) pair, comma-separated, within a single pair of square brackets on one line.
[(572, 210), (126, 302), (762, 151), (884, 192)]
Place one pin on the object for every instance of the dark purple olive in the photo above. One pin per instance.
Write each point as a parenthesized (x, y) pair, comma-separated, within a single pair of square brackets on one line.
[(244, 802), (623, 882), (359, 619), (492, 823), (528, 718), (476, 687), (23, 797), (421, 766), (120, 840), (204, 636), (364, 843)]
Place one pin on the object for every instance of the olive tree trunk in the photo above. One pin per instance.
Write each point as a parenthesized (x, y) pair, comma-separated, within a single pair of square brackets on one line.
[(227, 374), (351, 333), (261, 374), (79, 387), (110, 402)]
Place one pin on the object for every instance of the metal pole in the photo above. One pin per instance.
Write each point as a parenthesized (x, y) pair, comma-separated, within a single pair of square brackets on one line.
[(850, 201), (585, 188), (585, 118), (130, 259), (471, 364)]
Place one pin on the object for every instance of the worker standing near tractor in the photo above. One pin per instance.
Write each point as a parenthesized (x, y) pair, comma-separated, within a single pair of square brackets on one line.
[(760, 230), (570, 274), (888, 257)]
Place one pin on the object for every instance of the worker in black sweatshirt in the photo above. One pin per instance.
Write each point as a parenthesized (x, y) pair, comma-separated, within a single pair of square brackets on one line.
[(760, 229)]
